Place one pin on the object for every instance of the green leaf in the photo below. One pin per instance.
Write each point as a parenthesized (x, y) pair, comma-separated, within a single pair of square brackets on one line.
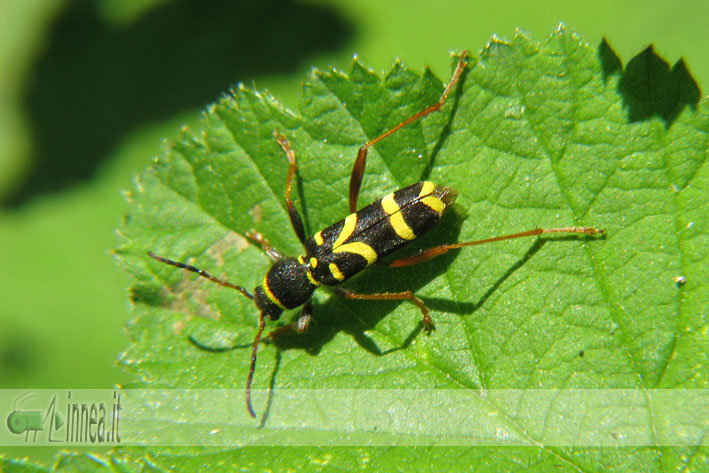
[(536, 135), (85, 463)]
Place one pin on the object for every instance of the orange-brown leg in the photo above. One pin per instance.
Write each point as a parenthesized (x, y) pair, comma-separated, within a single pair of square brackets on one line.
[(391, 296), (361, 161), (295, 219), (300, 325), (264, 244), (431, 253)]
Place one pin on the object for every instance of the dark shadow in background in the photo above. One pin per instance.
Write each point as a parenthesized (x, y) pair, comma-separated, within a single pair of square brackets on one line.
[(610, 62), (96, 81), (649, 86)]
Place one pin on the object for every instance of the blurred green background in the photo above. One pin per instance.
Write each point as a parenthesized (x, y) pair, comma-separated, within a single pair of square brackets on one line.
[(89, 90)]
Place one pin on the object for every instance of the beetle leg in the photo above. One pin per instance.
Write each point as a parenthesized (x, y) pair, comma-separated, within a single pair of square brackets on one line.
[(264, 244), (361, 161), (295, 220), (391, 296), (300, 325), (430, 253)]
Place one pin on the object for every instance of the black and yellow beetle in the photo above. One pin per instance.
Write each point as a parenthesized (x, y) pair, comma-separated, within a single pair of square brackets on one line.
[(340, 251)]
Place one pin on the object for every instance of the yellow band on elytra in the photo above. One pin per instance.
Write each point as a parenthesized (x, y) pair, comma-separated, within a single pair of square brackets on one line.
[(358, 248), (336, 272), (396, 218), (435, 203), (427, 188), (347, 229)]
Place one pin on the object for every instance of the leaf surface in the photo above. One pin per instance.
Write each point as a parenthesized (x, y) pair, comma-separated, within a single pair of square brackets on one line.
[(547, 134)]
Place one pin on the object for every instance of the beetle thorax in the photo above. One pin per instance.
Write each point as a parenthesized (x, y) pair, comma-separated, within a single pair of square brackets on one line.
[(286, 286)]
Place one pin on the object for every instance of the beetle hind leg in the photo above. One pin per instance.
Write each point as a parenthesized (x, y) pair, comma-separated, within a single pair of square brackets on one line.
[(430, 253), (391, 296)]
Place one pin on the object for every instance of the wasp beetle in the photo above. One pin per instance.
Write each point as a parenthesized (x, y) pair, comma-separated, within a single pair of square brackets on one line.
[(340, 251)]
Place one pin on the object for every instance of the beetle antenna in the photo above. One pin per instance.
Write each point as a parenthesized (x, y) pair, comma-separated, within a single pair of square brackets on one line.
[(201, 272), (254, 352)]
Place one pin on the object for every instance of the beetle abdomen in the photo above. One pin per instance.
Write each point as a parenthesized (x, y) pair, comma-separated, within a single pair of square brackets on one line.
[(344, 249)]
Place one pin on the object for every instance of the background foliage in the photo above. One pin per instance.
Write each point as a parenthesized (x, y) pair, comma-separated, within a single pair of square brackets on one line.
[(90, 88)]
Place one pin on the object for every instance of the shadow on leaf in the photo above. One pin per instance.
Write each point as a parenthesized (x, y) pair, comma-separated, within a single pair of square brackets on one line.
[(357, 317), (97, 81), (649, 85)]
